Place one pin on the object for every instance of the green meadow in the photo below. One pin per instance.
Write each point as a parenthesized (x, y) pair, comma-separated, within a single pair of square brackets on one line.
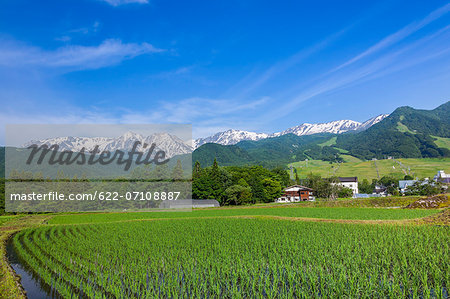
[(420, 168)]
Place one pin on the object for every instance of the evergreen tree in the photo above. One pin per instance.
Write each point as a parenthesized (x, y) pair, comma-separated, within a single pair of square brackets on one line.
[(243, 183), (215, 172), (177, 172), (197, 169)]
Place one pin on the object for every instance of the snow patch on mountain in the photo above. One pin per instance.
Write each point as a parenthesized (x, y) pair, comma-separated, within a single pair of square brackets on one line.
[(230, 137), (335, 127), (370, 122)]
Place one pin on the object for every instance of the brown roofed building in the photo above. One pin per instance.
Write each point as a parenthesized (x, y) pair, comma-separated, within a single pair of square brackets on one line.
[(296, 193)]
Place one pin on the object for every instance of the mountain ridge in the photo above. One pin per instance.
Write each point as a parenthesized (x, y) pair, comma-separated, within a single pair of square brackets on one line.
[(170, 144), (405, 133), (232, 136)]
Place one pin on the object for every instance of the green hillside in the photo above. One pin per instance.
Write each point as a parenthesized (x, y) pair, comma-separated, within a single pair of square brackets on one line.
[(406, 133), (225, 155), (269, 152), (398, 168), (442, 142)]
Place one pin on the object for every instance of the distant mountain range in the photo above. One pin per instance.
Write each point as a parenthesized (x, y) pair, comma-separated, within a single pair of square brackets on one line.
[(170, 144), (232, 136), (405, 133)]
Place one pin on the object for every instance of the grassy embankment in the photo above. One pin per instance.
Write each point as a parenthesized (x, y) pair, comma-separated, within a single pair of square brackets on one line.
[(10, 224)]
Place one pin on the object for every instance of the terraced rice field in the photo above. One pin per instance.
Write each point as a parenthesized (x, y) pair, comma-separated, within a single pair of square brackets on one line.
[(239, 258)]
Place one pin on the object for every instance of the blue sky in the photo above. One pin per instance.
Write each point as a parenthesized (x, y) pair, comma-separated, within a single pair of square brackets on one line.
[(254, 65)]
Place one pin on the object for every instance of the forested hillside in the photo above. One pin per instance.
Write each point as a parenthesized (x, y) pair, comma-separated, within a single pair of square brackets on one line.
[(270, 152), (406, 133)]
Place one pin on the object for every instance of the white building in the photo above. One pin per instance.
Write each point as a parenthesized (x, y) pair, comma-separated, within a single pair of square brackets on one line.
[(404, 184), (350, 182), (441, 176)]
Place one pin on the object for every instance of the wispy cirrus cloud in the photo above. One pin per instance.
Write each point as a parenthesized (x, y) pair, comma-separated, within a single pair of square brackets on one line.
[(208, 115), (393, 53), (121, 2), (399, 35), (252, 83), (70, 57), (81, 31)]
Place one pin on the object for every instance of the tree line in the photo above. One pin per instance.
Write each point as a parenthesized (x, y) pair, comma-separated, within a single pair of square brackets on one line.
[(237, 185), (421, 187)]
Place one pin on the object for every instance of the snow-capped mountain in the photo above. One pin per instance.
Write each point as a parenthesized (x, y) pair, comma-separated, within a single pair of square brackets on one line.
[(170, 144), (230, 137), (173, 145), (370, 122), (335, 127)]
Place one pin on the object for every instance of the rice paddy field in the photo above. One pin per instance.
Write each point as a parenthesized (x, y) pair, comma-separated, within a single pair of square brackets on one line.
[(4, 219), (239, 258), (301, 212), (269, 251), (352, 166)]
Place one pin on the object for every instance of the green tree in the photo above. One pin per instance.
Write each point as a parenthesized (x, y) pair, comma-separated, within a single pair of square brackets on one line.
[(177, 171), (243, 183), (272, 190), (365, 187), (297, 179), (344, 192), (197, 169), (237, 195), (282, 174), (215, 172), (425, 188), (202, 187)]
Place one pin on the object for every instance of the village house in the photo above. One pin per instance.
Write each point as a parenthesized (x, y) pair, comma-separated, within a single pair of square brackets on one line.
[(296, 193), (404, 184), (442, 177), (380, 190), (350, 182)]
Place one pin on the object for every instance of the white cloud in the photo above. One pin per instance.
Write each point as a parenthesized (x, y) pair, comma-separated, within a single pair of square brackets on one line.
[(109, 52), (121, 2)]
